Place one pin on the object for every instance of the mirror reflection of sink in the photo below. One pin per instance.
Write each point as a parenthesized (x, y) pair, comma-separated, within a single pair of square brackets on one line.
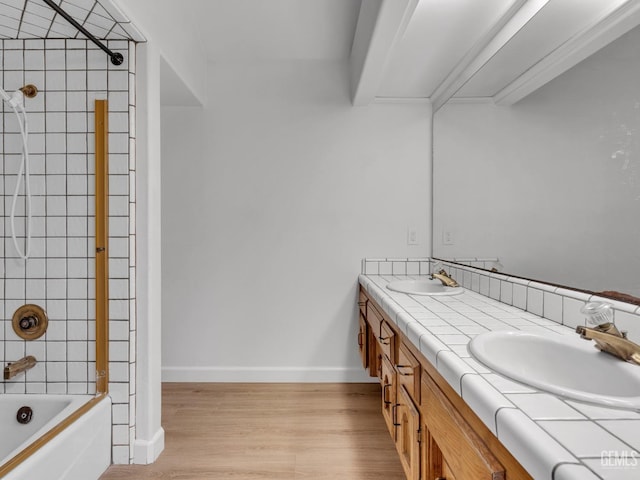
[(424, 286), (564, 365)]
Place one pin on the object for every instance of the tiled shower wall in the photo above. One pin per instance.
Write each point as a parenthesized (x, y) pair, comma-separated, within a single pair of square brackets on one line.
[(59, 275)]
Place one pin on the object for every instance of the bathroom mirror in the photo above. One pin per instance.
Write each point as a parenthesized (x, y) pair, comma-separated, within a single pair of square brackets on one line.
[(550, 185)]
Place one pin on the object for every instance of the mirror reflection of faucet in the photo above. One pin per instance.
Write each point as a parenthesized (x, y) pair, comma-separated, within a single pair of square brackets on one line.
[(605, 334)]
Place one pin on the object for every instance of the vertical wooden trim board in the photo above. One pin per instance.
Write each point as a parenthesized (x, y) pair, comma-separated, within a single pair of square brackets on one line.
[(102, 245), (102, 288)]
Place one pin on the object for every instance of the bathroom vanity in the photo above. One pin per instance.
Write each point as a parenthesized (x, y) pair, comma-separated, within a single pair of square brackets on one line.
[(435, 432), (450, 416)]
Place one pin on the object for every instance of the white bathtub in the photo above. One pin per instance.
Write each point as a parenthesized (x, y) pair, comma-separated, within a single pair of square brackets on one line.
[(81, 451)]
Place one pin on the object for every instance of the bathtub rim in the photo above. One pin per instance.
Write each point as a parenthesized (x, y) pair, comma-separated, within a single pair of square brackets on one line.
[(41, 441)]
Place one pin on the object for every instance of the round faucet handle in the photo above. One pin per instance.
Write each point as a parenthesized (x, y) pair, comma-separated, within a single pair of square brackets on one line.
[(598, 313)]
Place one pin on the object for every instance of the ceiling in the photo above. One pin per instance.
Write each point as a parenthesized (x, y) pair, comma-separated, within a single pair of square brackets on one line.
[(419, 49), (255, 30), (398, 50)]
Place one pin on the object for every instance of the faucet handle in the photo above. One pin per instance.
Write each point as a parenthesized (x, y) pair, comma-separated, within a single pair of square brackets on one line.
[(598, 313)]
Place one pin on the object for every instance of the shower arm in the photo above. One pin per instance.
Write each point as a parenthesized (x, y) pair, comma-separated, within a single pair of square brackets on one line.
[(116, 58)]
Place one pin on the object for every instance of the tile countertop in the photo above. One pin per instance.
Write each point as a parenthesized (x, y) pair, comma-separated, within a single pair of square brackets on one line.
[(551, 437)]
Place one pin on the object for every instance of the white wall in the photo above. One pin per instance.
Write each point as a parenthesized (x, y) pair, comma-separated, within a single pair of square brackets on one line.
[(271, 196), (168, 25), (551, 185)]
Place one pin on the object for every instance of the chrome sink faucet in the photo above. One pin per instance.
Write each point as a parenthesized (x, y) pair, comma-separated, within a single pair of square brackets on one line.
[(445, 278), (606, 335)]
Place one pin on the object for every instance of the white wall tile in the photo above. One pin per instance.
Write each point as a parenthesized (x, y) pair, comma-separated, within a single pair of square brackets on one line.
[(56, 351), (56, 60), (552, 306), (571, 316), (520, 296), (534, 301), (34, 60), (55, 81), (76, 59), (13, 60)]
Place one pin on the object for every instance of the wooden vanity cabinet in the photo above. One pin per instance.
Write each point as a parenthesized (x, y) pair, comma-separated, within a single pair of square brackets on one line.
[(408, 434), (436, 434)]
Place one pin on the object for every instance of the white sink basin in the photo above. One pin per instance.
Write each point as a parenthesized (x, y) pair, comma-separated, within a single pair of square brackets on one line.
[(423, 287), (565, 365)]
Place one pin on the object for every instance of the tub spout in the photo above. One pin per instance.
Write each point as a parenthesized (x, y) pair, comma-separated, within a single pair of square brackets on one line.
[(20, 366)]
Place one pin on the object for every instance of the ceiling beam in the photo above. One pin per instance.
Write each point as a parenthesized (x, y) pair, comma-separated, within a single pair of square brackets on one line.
[(512, 19), (608, 27), (381, 23)]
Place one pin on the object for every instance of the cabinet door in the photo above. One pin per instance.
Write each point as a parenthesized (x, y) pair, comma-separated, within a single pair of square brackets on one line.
[(388, 381), (430, 456), (408, 434), (464, 453), (363, 341)]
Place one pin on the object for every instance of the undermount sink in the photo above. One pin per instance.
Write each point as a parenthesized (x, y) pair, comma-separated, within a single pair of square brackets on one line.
[(424, 286), (564, 365)]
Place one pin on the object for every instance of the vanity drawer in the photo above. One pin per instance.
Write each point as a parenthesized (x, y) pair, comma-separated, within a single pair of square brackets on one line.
[(386, 340), (409, 368)]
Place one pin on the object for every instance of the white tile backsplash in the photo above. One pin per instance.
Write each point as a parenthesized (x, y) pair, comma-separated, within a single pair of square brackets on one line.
[(534, 301), (552, 306), (519, 296)]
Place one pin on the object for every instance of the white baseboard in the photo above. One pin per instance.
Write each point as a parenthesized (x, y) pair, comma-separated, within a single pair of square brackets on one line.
[(267, 375), (147, 451)]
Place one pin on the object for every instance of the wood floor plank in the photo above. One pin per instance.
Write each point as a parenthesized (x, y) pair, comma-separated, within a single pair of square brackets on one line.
[(270, 431)]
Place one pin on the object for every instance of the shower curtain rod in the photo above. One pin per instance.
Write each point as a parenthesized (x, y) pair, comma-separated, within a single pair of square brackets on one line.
[(116, 58)]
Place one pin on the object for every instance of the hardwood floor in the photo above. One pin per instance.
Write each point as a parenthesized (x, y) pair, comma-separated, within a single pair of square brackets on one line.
[(271, 431)]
